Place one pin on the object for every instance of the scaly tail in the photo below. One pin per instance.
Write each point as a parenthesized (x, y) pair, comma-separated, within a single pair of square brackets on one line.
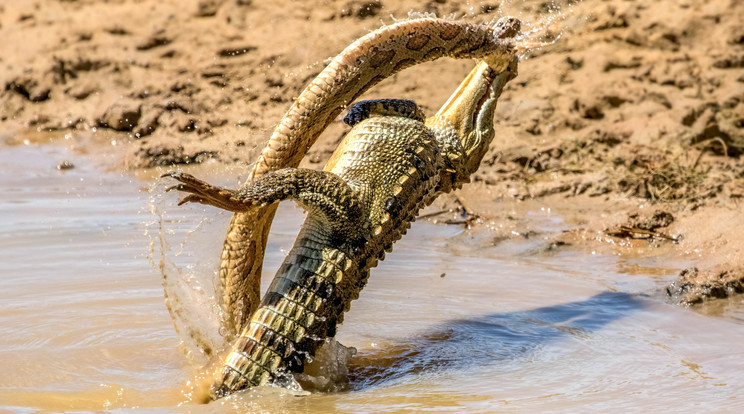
[(360, 66)]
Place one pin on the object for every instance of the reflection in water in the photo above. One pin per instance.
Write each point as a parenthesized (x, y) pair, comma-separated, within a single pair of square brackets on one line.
[(488, 339)]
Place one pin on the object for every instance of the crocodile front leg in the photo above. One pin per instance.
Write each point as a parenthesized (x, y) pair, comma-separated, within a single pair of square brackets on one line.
[(325, 196)]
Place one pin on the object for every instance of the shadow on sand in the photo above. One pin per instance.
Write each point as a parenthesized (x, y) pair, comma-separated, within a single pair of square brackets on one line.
[(464, 343)]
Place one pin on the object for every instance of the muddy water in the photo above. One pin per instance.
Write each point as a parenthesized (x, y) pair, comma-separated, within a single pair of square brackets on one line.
[(452, 321)]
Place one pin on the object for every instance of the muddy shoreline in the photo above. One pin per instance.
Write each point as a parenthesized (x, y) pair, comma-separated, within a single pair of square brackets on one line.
[(632, 121)]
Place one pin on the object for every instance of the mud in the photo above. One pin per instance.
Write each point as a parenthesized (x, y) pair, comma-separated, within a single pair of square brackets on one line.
[(693, 286), (634, 107)]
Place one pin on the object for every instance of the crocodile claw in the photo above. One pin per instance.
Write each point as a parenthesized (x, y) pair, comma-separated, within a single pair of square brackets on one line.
[(204, 193), (192, 198)]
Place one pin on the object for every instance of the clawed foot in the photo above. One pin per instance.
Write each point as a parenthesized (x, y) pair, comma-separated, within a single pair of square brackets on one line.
[(203, 193)]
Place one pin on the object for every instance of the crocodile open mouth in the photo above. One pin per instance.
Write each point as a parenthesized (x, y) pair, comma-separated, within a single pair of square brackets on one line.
[(490, 76)]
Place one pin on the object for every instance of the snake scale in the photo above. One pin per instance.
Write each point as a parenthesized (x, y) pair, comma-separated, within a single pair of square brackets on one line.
[(390, 165)]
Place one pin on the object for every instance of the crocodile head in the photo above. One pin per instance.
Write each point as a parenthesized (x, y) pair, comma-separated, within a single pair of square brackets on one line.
[(467, 116)]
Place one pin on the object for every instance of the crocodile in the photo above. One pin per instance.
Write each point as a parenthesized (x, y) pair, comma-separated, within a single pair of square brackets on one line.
[(393, 162)]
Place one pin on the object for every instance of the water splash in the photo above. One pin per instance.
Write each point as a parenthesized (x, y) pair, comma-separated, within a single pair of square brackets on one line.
[(329, 370), (180, 242), (185, 248), (543, 22)]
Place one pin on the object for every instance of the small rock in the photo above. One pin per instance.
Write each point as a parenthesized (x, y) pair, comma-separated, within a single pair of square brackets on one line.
[(694, 286), (149, 123), (721, 129), (117, 31), (85, 36), (614, 100), (611, 22), (38, 120), (81, 91), (645, 227), (184, 88), (121, 116), (694, 113), (604, 137), (658, 98), (30, 88), (235, 51), (274, 81), (737, 36), (208, 8), (730, 62), (488, 8), (244, 123), (163, 155), (634, 62), (521, 154), (65, 165), (731, 127), (636, 38), (178, 103), (216, 122), (533, 127), (187, 124), (589, 109), (575, 63), (659, 219), (361, 9), (153, 42)]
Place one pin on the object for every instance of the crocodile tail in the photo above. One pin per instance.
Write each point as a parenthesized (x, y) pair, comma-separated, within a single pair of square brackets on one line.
[(360, 66)]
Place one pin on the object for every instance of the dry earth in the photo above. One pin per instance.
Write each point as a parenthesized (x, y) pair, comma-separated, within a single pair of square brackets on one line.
[(632, 119)]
